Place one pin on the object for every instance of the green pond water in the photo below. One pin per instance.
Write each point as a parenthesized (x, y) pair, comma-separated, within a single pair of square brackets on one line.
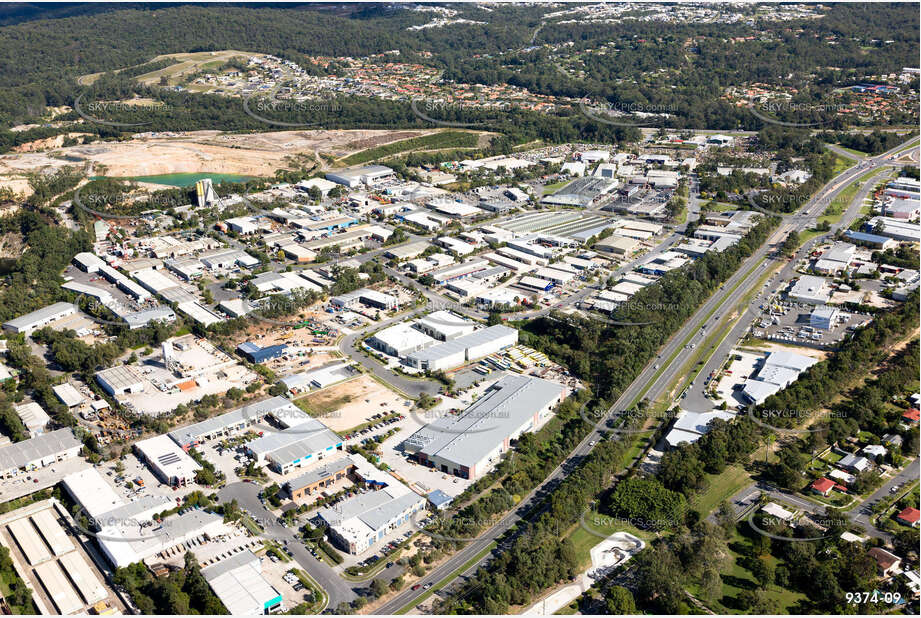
[(185, 179)]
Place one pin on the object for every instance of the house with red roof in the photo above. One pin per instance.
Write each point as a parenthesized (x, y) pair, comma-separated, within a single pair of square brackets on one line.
[(822, 486), (909, 517), (912, 415)]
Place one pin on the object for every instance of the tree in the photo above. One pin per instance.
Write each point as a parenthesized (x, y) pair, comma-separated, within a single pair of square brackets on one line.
[(647, 504), (495, 317), (619, 601), (378, 588), (763, 572), (757, 602), (204, 476), (234, 393), (726, 518), (711, 584)]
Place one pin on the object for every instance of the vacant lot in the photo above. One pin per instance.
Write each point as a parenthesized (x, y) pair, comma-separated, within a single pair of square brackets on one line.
[(248, 154), (351, 403)]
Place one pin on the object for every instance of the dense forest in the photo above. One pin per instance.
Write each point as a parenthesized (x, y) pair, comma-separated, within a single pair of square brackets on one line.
[(33, 280), (184, 591), (41, 59)]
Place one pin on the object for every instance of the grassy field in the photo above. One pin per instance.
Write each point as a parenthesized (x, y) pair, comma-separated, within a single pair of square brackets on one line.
[(737, 578), (583, 541), (316, 405), (840, 204), (720, 487), (841, 164), (435, 141), (854, 152), (554, 187), (185, 63)]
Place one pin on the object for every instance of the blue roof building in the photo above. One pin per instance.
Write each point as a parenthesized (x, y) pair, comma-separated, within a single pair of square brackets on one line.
[(255, 354), (439, 499), (865, 238)]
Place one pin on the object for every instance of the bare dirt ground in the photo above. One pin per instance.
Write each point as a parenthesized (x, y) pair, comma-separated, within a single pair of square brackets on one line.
[(770, 346), (255, 154), (351, 403)]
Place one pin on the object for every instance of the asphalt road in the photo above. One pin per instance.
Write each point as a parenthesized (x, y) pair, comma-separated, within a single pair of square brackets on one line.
[(697, 400), (247, 497), (650, 380), (859, 515)]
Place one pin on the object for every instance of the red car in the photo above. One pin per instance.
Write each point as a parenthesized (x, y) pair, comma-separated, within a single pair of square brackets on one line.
[(416, 587)]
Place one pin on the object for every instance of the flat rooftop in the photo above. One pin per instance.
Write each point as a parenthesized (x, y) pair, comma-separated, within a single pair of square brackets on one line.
[(467, 438)]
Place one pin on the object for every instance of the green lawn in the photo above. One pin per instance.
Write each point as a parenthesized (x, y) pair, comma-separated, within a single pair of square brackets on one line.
[(841, 164), (553, 188), (640, 442), (720, 487), (854, 152), (583, 541), (737, 578), (840, 204), (720, 206), (7, 580)]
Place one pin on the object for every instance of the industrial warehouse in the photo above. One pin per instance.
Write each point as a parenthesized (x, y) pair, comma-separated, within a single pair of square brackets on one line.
[(39, 318), (239, 584), (38, 452), (304, 440), (357, 523), (235, 420), (171, 464), (60, 574), (456, 352), (467, 445)]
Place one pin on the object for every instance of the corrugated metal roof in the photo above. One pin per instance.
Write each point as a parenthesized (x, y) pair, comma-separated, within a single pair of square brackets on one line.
[(467, 438), (19, 454), (40, 315)]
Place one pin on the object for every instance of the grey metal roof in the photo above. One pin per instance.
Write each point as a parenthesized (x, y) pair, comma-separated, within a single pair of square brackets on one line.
[(466, 439), (404, 251), (314, 442), (130, 510), (19, 454), (142, 318), (375, 508), (460, 344), (229, 564), (39, 315), (289, 445), (248, 414)]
